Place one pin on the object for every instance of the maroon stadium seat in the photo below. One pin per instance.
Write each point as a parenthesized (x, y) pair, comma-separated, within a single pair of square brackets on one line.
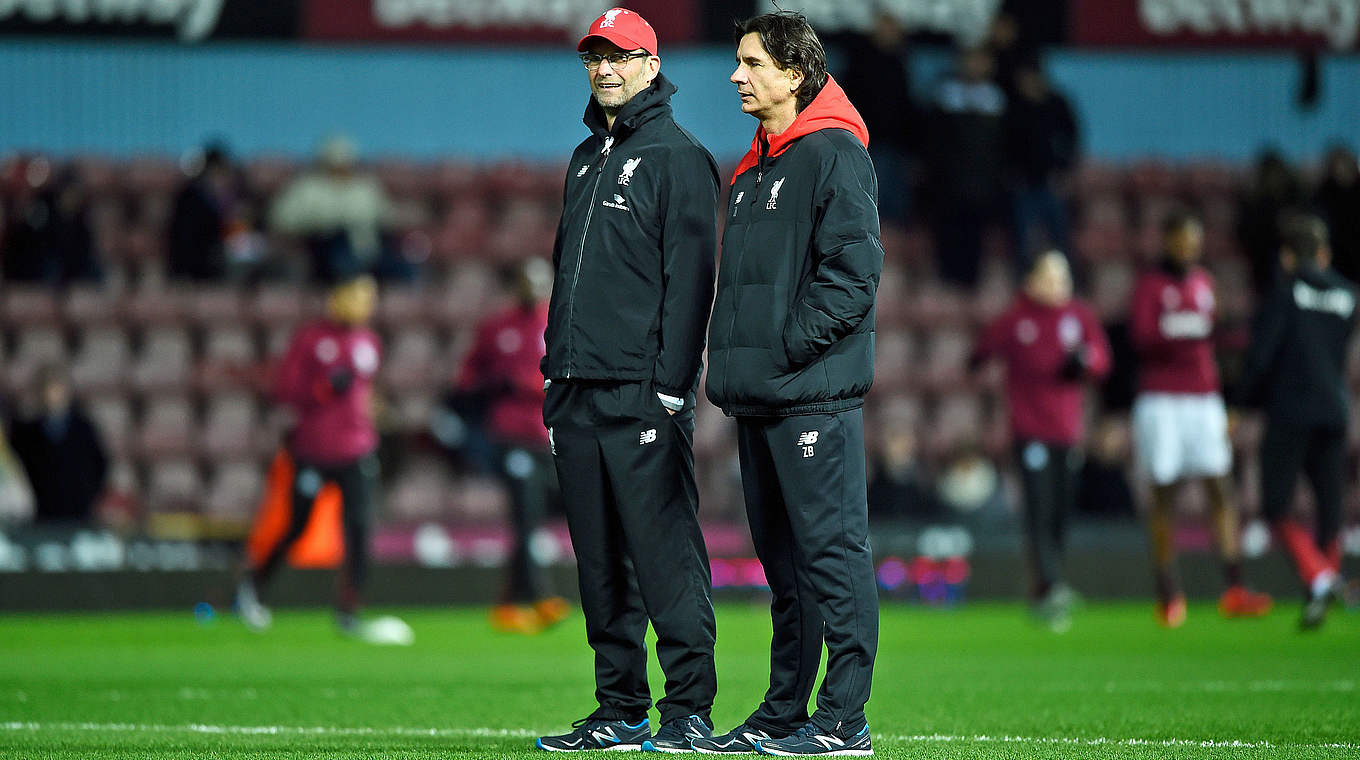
[(101, 359), (167, 429)]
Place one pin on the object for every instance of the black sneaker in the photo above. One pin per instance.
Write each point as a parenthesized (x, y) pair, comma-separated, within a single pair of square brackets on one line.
[(740, 740), (676, 735), (593, 733), (811, 740), (1315, 608)]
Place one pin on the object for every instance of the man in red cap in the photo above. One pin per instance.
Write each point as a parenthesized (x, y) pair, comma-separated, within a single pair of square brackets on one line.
[(634, 262)]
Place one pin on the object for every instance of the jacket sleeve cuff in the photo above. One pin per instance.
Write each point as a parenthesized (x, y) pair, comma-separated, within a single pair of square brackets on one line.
[(672, 403)]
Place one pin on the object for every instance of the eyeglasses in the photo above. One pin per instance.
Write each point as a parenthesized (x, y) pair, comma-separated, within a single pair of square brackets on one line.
[(616, 60)]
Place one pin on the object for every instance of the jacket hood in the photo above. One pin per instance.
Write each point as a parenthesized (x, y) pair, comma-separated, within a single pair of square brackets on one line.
[(645, 106), (831, 109)]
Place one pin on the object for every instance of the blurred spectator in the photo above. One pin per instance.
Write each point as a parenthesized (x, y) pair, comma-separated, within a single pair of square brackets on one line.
[(1104, 490), (342, 212), (966, 171), (212, 235), (1052, 346), (48, 238), (1338, 199), (1296, 370), (501, 370), (1042, 143), (1274, 193), (16, 496), (901, 488), (877, 80), (61, 451)]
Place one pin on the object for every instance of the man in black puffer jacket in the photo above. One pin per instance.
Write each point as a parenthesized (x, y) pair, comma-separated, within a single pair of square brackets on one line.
[(634, 259), (791, 356)]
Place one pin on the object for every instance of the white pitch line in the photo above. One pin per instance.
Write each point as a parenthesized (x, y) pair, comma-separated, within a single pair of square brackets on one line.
[(524, 733)]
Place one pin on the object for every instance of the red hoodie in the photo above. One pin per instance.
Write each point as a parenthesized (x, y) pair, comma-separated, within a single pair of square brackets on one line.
[(504, 361), (831, 109), (1034, 341), (332, 428)]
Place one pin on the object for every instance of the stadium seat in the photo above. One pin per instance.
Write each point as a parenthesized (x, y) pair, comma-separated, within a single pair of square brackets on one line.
[(420, 490), (466, 296), (214, 306), (85, 305), (946, 353), (36, 346), (411, 361), (234, 489), (267, 175), (23, 306), (112, 417), (400, 306), (894, 355), (231, 428), (164, 362), (101, 361), (174, 485), (168, 428)]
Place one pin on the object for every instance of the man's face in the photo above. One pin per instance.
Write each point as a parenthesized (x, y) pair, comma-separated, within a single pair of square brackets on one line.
[(1185, 243), (613, 86), (765, 89)]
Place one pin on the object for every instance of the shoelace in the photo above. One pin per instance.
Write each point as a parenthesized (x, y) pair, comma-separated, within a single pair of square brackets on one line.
[(678, 729)]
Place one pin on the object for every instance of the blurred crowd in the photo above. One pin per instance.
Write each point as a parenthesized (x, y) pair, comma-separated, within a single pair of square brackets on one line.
[(979, 173)]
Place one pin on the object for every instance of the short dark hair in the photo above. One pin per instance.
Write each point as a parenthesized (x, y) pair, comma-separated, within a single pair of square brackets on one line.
[(1178, 220), (1304, 235), (793, 44)]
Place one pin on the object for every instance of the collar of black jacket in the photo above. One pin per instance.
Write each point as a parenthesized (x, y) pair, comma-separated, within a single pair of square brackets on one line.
[(646, 105)]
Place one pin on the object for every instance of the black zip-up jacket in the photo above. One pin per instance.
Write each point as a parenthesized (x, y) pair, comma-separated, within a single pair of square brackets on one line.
[(793, 323), (635, 251), (1296, 366)]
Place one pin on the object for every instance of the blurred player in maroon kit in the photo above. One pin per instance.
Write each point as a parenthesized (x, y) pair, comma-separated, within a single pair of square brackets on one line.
[(326, 376), (1180, 424), (501, 370), (1052, 346)]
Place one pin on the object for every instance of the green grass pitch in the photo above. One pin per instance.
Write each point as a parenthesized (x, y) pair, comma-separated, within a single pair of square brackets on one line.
[(974, 682)]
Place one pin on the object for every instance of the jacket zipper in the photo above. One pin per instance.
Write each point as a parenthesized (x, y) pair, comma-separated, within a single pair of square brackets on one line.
[(755, 193), (585, 232)]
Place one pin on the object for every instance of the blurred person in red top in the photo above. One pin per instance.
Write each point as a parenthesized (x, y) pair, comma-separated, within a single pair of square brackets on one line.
[(501, 371), (1180, 424), (1052, 346), (326, 377)]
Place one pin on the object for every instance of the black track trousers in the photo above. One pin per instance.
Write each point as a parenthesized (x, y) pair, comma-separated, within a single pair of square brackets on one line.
[(1048, 473), (804, 482), (1320, 452), (626, 470), (358, 484)]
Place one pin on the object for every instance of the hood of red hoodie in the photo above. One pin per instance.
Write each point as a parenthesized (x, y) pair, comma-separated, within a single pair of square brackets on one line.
[(831, 109)]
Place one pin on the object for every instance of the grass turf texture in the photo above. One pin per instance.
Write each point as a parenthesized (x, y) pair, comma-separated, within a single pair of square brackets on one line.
[(976, 682)]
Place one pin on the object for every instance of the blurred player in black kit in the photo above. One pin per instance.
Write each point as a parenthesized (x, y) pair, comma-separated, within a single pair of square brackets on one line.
[(1296, 369)]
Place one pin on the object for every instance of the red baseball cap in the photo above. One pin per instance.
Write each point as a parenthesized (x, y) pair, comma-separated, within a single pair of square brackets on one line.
[(623, 28)]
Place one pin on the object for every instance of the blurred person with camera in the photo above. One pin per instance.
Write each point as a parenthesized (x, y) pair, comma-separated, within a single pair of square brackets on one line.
[(327, 377), (1296, 370), (1180, 424), (1052, 346), (634, 261), (500, 377)]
